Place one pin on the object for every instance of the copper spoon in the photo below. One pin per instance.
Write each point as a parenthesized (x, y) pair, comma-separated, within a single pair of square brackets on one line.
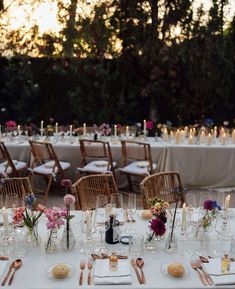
[(140, 265), (17, 264)]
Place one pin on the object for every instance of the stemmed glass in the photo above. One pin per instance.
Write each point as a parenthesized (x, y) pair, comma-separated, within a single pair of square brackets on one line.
[(129, 205), (101, 224)]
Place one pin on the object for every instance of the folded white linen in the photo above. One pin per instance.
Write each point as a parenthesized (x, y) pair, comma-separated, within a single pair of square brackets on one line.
[(213, 268), (103, 275)]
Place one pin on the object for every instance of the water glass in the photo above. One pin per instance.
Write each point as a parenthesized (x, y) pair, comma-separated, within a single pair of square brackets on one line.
[(20, 245), (136, 244), (232, 248)]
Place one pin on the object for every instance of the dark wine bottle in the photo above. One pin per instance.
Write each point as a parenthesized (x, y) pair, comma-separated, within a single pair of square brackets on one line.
[(95, 136), (111, 235)]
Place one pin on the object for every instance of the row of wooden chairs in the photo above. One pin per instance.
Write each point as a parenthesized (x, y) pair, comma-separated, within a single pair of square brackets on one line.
[(86, 189), (45, 161)]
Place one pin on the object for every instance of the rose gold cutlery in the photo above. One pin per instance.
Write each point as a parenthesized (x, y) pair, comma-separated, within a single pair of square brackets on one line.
[(4, 258), (89, 266), (202, 277), (140, 265), (133, 264), (82, 267), (208, 278), (14, 265), (106, 256)]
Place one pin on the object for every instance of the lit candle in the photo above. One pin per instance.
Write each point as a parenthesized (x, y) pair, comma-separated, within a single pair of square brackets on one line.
[(186, 130), (184, 213), (165, 135), (190, 140), (70, 130), (233, 136), (41, 129), (202, 137), (145, 127), (177, 136), (226, 206), (223, 139), (127, 130), (18, 129), (84, 129), (115, 130), (56, 127), (209, 139), (5, 217)]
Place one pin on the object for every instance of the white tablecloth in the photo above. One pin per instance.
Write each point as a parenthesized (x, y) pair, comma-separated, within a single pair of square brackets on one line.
[(35, 263), (210, 166)]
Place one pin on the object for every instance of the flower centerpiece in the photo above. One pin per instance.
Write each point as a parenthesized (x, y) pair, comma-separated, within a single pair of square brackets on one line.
[(55, 221), (158, 208), (68, 241), (11, 125), (211, 211), (105, 129), (30, 216), (150, 128)]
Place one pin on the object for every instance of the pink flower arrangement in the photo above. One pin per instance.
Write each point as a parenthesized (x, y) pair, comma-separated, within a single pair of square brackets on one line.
[(158, 227), (66, 183), (105, 129), (69, 199), (149, 125), (10, 124), (54, 217), (17, 217)]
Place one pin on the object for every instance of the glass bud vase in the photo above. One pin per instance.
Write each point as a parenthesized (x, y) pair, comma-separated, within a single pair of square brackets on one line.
[(51, 243), (171, 242), (150, 243), (33, 237), (68, 241)]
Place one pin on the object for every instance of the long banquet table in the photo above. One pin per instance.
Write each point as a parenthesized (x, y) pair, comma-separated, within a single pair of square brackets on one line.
[(210, 166), (32, 274)]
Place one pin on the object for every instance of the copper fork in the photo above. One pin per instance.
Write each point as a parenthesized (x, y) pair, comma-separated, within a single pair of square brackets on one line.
[(208, 278), (89, 266), (202, 277), (82, 267)]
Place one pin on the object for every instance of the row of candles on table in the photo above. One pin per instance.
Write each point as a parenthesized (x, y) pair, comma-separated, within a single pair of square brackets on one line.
[(184, 212)]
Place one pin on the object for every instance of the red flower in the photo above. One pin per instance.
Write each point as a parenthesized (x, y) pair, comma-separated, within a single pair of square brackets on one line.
[(149, 124), (10, 124), (66, 183), (158, 227)]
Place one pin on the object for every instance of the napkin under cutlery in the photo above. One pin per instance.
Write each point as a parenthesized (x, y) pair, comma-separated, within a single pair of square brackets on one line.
[(213, 268), (103, 275)]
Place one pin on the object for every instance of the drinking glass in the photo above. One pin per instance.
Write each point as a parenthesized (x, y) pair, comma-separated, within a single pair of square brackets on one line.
[(136, 244), (101, 224), (11, 201), (190, 200)]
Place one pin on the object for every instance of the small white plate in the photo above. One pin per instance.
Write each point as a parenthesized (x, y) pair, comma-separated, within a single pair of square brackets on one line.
[(50, 268), (164, 267), (143, 164), (101, 163)]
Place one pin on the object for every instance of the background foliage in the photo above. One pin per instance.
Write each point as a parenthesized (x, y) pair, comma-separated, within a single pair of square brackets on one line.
[(122, 62)]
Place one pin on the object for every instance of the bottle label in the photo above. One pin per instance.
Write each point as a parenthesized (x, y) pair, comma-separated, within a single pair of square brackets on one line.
[(115, 235)]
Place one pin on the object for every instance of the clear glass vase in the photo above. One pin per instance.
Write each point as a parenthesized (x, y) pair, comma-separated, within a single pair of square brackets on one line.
[(171, 242), (51, 243), (150, 243), (33, 237), (68, 241)]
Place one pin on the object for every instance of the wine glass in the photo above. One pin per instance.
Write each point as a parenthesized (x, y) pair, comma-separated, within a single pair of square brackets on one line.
[(190, 200), (129, 205), (101, 224)]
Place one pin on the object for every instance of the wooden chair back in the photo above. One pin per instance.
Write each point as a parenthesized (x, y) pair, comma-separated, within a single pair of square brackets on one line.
[(162, 185), (5, 157), (43, 152), (20, 186), (96, 149), (87, 188), (136, 151)]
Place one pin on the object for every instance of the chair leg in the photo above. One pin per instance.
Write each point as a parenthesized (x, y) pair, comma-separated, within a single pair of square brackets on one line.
[(129, 183), (50, 179)]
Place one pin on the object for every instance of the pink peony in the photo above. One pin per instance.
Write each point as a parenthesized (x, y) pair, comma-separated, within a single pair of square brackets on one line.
[(66, 183), (69, 199), (149, 124), (158, 227), (41, 208)]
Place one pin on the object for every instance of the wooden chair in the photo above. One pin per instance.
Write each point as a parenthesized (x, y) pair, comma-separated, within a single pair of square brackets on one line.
[(7, 165), (96, 157), (45, 163), (87, 188), (162, 185), (20, 186), (136, 160)]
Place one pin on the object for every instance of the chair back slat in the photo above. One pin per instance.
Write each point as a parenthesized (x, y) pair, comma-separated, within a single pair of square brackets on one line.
[(5, 156), (87, 188)]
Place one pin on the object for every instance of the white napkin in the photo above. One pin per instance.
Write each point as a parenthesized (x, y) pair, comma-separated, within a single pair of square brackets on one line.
[(3, 265), (213, 268), (103, 275)]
